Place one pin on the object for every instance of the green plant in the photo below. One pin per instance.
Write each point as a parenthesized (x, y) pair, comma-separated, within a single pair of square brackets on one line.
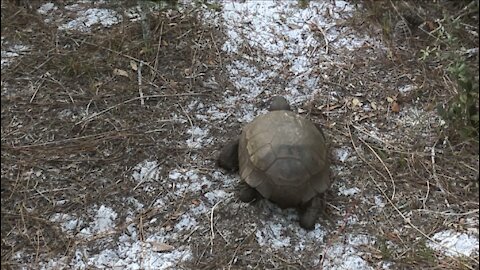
[(450, 38), (425, 252), (425, 53), (385, 250), (462, 110), (303, 4)]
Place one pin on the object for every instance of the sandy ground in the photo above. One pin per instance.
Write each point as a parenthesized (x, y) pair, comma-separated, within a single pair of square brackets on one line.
[(166, 205)]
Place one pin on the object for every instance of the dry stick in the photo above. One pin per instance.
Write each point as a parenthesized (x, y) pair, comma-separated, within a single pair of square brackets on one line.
[(426, 195), (378, 157), (466, 10), (37, 88), (376, 138), (469, 167), (212, 236), (448, 214), (185, 238), (142, 238), (407, 220), (139, 74), (188, 116), (131, 58), (432, 151), (216, 48), (324, 38), (133, 99), (61, 85), (155, 67), (238, 248), (146, 176)]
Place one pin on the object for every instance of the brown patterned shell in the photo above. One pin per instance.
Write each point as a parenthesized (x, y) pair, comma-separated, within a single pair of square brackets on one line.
[(284, 157)]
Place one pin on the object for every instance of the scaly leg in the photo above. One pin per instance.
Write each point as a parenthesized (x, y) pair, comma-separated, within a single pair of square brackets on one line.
[(313, 209)]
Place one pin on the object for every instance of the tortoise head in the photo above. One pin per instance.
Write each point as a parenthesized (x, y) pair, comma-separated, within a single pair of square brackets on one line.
[(279, 103)]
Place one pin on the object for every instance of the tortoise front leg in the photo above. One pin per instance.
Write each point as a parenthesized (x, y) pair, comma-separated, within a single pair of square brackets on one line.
[(248, 194), (312, 211), (228, 157)]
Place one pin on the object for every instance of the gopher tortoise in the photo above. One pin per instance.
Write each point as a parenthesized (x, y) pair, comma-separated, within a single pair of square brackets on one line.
[(282, 157)]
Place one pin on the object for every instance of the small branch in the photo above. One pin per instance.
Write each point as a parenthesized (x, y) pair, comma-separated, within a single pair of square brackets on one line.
[(139, 76), (37, 88), (212, 231), (324, 38), (434, 174), (155, 67)]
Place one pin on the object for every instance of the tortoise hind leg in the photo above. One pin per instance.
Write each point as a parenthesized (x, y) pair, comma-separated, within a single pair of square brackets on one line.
[(312, 211), (228, 157)]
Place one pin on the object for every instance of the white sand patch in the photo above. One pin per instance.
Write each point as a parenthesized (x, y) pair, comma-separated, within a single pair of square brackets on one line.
[(379, 201), (346, 255), (67, 222), (46, 8), (104, 219), (216, 196), (86, 19), (198, 137), (342, 253), (288, 41), (348, 191), (404, 89), (146, 171), (341, 154), (9, 55), (453, 243), (129, 254), (187, 181)]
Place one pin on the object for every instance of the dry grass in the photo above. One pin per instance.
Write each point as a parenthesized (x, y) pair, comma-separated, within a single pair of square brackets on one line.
[(51, 153)]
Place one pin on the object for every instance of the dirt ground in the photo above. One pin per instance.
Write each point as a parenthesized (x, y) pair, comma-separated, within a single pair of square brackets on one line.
[(111, 128)]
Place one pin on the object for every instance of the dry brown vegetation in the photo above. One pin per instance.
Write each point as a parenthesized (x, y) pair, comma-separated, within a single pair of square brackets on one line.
[(426, 173)]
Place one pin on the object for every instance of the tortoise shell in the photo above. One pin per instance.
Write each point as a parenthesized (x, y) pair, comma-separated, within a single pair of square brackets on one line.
[(284, 157)]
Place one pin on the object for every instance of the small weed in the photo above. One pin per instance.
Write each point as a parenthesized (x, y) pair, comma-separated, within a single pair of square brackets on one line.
[(461, 111), (303, 4), (450, 38), (384, 250), (426, 53), (423, 253)]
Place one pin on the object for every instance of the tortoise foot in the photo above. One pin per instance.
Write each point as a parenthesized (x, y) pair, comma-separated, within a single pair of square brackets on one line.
[(248, 194), (315, 207), (308, 220)]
